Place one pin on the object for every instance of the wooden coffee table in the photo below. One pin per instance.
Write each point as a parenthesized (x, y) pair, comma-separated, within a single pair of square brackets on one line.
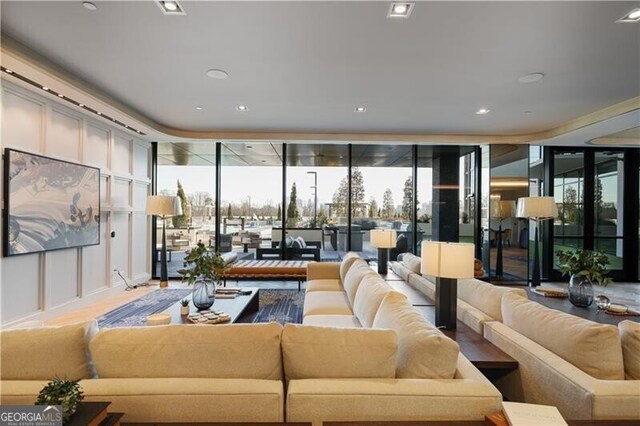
[(236, 308)]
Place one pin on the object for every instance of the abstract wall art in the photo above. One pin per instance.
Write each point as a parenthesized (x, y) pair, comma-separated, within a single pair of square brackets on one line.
[(49, 204)]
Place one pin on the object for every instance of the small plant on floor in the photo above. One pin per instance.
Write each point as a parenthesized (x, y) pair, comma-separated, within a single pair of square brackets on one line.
[(66, 393), (203, 263), (591, 264)]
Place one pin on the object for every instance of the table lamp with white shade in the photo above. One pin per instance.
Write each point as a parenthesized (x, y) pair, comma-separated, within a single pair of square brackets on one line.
[(164, 206), (536, 209), (383, 240), (501, 210), (447, 262)]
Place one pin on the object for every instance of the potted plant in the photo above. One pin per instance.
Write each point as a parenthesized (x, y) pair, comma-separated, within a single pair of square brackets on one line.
[(66, 393), (184, 307), (586, 267), (205, 269)]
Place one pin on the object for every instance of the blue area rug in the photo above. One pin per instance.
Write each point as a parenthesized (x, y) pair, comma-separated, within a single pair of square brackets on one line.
[(279, 305), (135, 313)]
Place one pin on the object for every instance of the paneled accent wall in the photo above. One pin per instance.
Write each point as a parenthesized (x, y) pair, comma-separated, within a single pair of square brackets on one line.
[(38, 286)]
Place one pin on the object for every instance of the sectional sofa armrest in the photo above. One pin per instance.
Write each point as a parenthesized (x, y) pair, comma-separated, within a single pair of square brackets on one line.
[(318, 400), (323, 271), (544, 378)]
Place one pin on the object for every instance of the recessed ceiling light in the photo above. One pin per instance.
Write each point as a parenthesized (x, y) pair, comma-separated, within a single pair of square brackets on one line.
[(528, 112), (99, 113), (60, 95), (400, 10), (263, 161), (45, 88), (199, 108), (81, 105), (171, 7), (531, 78), (249, 146), (360, 109), (242, 108), (9, 71), (483, 111), (89, 5), (633, 16), (217, 74)]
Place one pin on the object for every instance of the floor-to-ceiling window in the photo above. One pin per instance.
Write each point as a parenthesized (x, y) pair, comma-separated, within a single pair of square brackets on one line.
[(186, 170), (319, 173), (608, 209), (381, 196), (251, 196)]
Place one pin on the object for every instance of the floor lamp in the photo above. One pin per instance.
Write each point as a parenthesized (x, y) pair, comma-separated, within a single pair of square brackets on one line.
[(383, 240), (163, 206), (502, 209), (447, 262), (537, 209)]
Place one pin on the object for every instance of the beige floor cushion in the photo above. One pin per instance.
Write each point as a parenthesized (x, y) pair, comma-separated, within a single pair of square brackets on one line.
[(326, 303), (630, 336), (354, 277), (324, 352), (339, 321), (423, 351), (47, 352), (323, 285), (236, 351), (370, 293), (592, 347)]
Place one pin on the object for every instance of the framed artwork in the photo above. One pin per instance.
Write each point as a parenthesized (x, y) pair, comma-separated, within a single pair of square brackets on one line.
[(49, 204)]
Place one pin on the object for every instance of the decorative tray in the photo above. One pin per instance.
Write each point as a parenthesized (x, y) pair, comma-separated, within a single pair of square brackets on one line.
[(551, 292), (209, 317)]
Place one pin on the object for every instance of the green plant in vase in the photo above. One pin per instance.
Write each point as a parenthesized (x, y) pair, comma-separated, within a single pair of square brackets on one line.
[(66, 393), (205, 269), (585, 267)]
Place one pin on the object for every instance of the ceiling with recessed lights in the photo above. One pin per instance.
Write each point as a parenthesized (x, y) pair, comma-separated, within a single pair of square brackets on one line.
[(308, 66)]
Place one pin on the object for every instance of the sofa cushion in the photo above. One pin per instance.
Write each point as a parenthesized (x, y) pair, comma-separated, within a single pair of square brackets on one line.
[(326, 303), (592, 347), (238, 351), (323, 285), (47, 352), (354, 277), (310, 352), (485, 297), (200, 400), (411, 262), (630, 335), (423, 351), (370, 293), (346, 263), (340, 321)]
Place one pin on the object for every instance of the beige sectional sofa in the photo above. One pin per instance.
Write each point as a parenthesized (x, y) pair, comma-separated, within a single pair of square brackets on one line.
[(226, 373), (478, 301), (428, 378), (588, 370)]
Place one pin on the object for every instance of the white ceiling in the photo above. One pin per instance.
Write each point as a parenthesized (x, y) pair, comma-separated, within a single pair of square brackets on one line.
[(304, 66)]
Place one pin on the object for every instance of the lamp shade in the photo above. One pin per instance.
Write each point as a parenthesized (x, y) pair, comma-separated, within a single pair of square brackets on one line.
[(447, 260), (383, 238), (163, 205), (503, 208), (537, 208)]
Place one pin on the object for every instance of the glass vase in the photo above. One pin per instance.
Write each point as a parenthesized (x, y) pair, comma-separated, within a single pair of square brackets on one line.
[(580, 291), (204, 294)]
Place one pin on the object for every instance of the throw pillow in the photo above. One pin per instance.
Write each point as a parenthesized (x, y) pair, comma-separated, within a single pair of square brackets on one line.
[(311, 352), (301, 242), (354, 277), (288, 242), (346, 263)]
